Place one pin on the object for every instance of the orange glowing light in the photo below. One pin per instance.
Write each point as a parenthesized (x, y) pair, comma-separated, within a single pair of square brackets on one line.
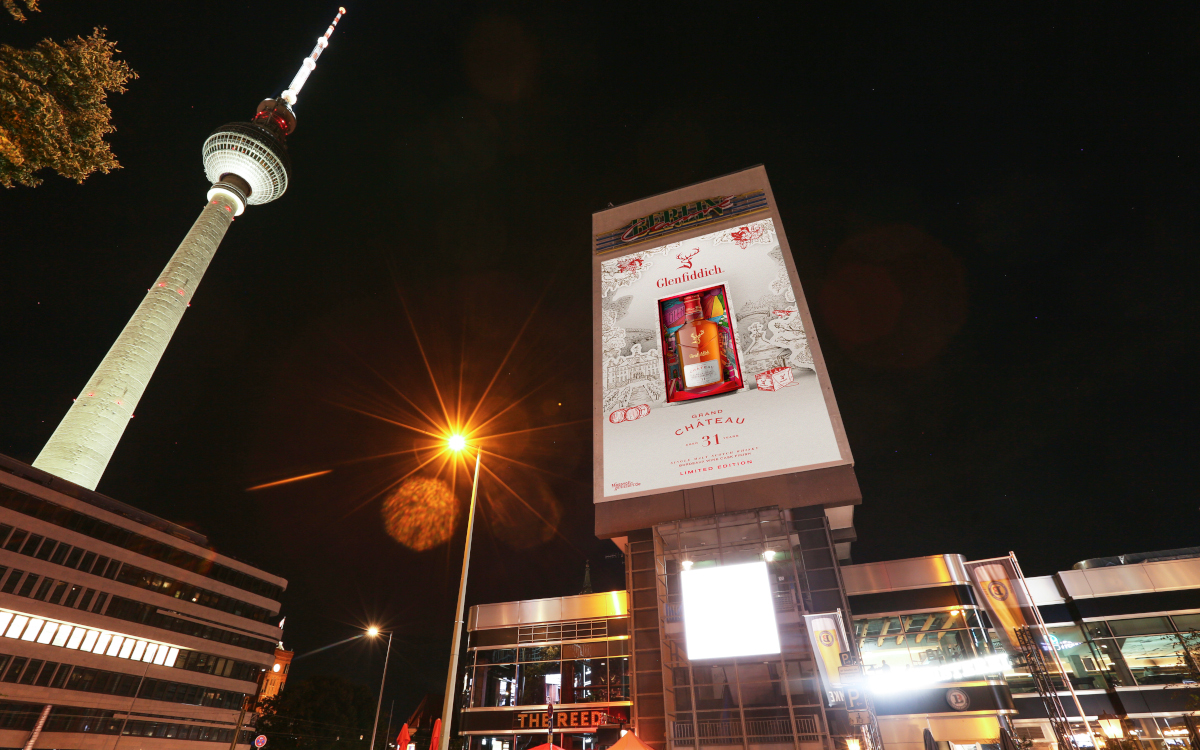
[(288, 480), (421, 513)]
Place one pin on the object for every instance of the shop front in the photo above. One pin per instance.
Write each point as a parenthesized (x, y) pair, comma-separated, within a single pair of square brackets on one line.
[(547, 670)]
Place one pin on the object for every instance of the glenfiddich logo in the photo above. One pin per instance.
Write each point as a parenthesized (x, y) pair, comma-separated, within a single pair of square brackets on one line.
[(685, 261), (674, 218), (699, 273)]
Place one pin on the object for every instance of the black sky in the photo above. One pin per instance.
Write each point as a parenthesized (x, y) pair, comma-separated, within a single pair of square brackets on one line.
[(993, 211)]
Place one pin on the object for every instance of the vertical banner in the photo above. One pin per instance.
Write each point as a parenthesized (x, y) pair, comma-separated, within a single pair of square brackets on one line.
[(827, 636), (999, 587)]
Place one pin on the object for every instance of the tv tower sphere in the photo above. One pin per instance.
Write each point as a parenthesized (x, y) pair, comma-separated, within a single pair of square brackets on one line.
[(248, 165)]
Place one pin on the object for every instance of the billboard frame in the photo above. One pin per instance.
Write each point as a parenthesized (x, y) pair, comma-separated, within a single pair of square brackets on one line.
[(681, 215)]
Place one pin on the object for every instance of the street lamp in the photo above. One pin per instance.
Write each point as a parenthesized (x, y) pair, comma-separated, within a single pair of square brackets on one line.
[(374, 632), (458, 443)]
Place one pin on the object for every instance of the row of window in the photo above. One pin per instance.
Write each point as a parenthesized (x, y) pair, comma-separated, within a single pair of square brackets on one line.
[(121, 537), (1160, 650), (148, 614), (553, 653), (23, 717), (47, 589), (77, 558), (539, 683), (749, 684), (24, 671), (66, 594), (1122, 653), (61, 593)]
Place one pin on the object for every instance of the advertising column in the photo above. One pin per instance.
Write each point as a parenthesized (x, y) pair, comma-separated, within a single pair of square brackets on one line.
[(707, 372)]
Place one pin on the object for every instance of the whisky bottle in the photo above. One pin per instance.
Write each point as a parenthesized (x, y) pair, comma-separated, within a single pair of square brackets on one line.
[(698, 342)]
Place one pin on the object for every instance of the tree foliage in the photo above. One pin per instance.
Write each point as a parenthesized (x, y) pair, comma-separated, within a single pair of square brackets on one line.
[(53, 107), (319, 713), (15, 12)]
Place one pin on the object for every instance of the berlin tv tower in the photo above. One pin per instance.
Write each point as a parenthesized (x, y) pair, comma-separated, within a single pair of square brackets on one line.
[(248, 165)]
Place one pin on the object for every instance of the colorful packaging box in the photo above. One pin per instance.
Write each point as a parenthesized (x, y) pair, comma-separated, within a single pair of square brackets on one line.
[(699, 353)]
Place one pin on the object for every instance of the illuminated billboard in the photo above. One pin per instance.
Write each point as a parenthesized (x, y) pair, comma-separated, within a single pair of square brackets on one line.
[(706, 367), (728, 611)]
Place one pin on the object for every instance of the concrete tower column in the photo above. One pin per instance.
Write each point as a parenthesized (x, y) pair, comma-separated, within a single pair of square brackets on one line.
[(79, 450)]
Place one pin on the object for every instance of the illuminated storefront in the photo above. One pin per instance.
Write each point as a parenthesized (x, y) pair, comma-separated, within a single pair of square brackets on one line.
[(1125, 631), (571, 652)]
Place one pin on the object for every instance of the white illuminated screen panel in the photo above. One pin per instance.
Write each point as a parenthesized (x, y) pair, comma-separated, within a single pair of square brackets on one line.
[(728, 611)]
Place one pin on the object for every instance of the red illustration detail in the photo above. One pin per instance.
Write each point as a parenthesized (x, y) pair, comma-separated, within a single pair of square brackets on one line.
[(629, 264), (783, 313), (685, 261), (744, 236), (773, 380), (629, 414)]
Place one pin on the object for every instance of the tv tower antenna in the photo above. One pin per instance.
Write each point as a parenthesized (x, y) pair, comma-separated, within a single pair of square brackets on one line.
[(248, 165)]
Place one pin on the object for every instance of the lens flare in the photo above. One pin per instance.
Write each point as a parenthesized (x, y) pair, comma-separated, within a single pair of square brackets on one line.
[(421, 513)]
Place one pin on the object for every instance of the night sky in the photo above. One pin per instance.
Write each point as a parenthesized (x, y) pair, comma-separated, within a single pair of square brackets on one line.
[(993, 212)]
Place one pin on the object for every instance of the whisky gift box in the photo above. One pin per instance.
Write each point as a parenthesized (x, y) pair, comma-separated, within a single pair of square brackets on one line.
[(697, 332)]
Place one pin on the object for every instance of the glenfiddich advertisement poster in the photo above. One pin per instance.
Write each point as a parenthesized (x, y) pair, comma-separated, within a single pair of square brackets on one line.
[(708, 369)]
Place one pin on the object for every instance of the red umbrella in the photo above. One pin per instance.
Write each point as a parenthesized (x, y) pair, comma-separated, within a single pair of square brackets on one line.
[(403, 739), (437, 731), (546, 746)]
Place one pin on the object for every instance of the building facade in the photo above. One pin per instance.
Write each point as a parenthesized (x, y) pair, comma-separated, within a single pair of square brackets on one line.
[(1126, 631), (118, 628), (276, 677), (572, 652)]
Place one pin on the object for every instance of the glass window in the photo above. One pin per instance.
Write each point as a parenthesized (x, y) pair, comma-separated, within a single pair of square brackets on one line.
[(1140, 626), (584, 650), (31, 545), (496, 656), (1186, 622), (1154, 659), (28, 584), (14, 669), (716, 687), (585, 680), (73, 558), (763, 694), (1097, 629), (758, 671), (618, 679), (540, 683), (1085, 664), (540, 653), (16, 540), (494, 685), (46, 550)]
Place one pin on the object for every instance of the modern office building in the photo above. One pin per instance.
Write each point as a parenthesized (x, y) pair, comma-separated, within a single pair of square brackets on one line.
[(1125, 630), (120, 629), (571, 651)]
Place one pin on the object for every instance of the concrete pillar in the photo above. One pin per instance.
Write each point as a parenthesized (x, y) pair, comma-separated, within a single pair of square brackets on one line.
[(79, 450)]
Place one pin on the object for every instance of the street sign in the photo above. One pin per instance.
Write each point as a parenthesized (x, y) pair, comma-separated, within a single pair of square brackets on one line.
[(856, 700), (860, 718), (847, 658), (260, 740), (850, 674)]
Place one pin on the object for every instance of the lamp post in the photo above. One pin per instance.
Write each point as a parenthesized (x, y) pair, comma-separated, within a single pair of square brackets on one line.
[(374, 632), (458, 443)]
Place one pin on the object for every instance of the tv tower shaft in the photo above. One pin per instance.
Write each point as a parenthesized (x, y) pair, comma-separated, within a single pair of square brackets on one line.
[(83, 443), (248, 164)]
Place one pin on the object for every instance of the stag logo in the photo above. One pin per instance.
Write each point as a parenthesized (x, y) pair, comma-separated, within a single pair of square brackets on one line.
[(685, 261)]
